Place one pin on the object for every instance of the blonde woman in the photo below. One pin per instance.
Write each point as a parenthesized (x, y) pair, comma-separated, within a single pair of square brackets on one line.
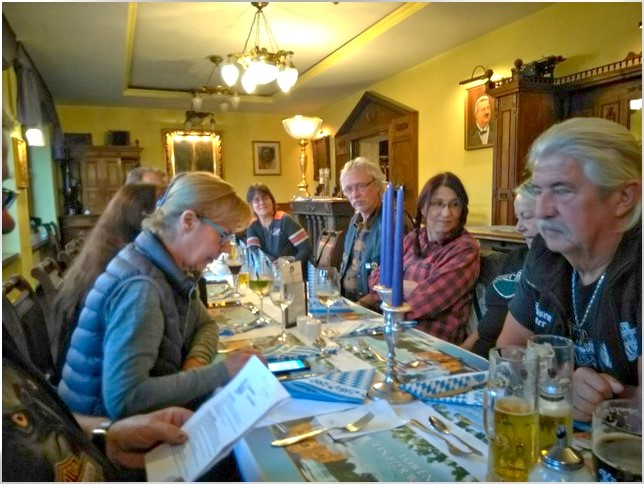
[(143, 312)]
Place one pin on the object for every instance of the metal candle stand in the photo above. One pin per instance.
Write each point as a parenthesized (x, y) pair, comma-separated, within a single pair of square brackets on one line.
[(389, 389)]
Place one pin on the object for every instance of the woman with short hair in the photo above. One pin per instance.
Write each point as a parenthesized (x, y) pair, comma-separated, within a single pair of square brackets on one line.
[(440, 261), (143, 312), (273, 231)]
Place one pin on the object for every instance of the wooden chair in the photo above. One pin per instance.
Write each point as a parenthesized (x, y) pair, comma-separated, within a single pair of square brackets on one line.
[(50, 277), (330, 248), (54, 236), (24, 321)]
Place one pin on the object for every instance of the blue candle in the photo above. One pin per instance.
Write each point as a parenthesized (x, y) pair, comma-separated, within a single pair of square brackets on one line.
[(384, 250), (397, 276), (389, 241)]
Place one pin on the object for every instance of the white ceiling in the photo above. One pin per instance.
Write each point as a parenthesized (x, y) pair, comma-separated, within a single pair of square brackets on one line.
[(151, 54)]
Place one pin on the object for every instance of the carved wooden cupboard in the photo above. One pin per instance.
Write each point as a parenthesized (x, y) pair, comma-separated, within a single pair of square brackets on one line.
[(527, 104)]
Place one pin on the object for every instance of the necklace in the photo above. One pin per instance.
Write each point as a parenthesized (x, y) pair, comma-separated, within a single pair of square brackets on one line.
[(580, 324)]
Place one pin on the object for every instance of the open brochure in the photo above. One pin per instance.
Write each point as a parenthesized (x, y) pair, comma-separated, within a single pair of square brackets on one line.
[(217, 425)]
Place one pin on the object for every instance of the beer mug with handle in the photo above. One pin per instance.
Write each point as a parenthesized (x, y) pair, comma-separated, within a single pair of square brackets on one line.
[(556, 367), (511, 413), (617, 441)]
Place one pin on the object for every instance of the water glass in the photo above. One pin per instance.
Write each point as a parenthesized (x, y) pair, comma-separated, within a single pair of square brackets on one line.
[(617, 441), (281, 296), (556, 367), (327, 290), (510, 413)]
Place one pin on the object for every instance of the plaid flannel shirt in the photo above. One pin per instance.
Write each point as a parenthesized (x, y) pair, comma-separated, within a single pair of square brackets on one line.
[(446, 276)]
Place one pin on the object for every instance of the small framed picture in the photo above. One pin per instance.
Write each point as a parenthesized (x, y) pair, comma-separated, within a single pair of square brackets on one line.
[(266, 158), (479, 119), (22, 165)]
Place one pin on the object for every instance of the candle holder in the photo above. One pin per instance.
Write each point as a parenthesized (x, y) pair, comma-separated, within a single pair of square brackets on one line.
[(389, 389), (384, 293)]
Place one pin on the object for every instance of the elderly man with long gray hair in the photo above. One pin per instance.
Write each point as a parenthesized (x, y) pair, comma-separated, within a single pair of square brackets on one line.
[(583, 275)]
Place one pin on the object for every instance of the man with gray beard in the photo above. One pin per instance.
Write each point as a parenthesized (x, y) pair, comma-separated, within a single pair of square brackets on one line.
[(582, 277)]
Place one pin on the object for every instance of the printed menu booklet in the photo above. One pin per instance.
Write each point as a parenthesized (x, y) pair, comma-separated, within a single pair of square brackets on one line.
[(217, 425)]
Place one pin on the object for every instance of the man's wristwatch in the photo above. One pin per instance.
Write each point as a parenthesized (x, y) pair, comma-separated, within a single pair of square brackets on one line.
[(99, 435)]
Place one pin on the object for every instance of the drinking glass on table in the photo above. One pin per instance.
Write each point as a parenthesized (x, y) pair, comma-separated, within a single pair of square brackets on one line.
[(617, 440), (327, 290), (234, 264), (510, 413), (282, 297), (556, 367), (261, 275)]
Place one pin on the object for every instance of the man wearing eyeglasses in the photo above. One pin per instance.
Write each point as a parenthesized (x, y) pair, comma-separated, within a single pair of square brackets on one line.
[(362, 184)]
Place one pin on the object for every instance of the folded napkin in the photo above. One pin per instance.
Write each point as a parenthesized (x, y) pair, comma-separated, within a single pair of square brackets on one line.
[(289, 352), (426, 389), (374, 328), (345, 386), (384, 419)]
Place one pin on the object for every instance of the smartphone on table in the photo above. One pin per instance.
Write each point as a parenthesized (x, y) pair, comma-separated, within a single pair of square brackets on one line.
[(288, 366)]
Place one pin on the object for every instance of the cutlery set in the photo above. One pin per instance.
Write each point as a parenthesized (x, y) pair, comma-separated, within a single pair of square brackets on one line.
[(439, 429)]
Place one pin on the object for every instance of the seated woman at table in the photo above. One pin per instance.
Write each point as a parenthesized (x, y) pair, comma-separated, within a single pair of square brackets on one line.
[(440, 261), (275, 232), (143, 311), (117, 226), (502, 288)]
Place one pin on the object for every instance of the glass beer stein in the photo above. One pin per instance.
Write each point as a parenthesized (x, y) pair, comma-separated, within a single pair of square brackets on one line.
[(510, 413), (556, 367), (617, 441)]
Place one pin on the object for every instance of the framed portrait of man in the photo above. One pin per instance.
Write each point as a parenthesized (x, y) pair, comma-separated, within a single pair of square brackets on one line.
[(266, 158), (479, 119)]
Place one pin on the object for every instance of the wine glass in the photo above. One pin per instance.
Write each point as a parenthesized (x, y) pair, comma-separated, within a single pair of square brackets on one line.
[(261, 276), (327, 290), (234, 264), (281, 297)]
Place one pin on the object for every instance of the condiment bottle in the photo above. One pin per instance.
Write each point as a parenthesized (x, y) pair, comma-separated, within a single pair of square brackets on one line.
[(561, 463)]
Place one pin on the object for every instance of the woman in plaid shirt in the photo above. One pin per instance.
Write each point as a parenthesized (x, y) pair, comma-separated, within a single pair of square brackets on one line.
[(440, 261)]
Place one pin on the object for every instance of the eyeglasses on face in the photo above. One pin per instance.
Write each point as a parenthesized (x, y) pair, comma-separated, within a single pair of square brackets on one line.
[(453, 205), (358, 187), (225, 236), (8, 197)]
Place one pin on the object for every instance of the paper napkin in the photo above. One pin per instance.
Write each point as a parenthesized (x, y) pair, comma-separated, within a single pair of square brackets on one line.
[(384, 419), (426, 389), (345, 386)]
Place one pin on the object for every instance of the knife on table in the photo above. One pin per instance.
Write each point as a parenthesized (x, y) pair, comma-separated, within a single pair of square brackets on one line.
[(457, 391)]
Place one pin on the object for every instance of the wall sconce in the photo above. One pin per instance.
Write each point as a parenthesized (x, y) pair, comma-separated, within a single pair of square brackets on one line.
[(487, 74), (303, 129)]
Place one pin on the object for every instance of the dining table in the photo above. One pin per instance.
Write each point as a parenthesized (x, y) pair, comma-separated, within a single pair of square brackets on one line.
[(399, 444)]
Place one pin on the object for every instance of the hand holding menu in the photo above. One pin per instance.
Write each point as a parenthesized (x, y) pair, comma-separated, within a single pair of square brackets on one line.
[(217, 425)]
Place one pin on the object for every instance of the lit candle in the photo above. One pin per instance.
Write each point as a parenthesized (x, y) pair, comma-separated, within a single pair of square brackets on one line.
[(397, 276), (385, 247)]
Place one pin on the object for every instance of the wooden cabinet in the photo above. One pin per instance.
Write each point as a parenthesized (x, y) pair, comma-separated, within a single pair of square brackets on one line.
[(102, 171), (74, 226), (318, 213), (528, 104)]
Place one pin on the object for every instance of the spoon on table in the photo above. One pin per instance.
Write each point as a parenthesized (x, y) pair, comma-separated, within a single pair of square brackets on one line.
[(441, 426)]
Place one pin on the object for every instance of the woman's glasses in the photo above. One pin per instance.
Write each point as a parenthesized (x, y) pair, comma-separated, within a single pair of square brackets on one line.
[(8, 197), (439, 205), (225, 236)]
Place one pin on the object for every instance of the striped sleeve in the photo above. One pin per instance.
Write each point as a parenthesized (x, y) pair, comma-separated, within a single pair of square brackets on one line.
[(298, 237)]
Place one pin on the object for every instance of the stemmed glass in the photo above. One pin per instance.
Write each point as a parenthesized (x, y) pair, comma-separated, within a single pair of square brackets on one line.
[(261, 276), (327, 290), (281, 297), (234, 264)]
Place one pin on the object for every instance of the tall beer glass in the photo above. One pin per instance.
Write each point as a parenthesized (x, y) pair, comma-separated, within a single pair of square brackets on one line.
[(510, 413), (556, 367), (617, 440)]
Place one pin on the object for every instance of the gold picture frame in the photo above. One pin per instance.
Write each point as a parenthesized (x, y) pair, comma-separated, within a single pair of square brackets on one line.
[(477, 100), (21, 162), (267, 158), (192, 150)]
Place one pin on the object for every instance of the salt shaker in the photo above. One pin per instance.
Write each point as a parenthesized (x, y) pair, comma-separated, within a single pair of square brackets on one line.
[(561, 463)]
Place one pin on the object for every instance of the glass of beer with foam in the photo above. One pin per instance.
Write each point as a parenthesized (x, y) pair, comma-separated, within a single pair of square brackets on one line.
[(556, 367), (510, 413), (617, 441)]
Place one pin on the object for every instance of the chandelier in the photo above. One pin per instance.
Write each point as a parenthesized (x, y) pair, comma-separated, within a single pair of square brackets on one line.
[(260, 65), (224, 96)]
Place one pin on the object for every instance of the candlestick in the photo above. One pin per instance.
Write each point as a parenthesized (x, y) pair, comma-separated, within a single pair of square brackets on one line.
[(385, 249), (397, 270), (390, 235)]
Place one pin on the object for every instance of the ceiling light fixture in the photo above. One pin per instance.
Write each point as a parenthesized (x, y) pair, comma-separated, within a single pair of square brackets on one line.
[(224, 96), (260, 65), (487, 74), (200, 119), (303, 129)]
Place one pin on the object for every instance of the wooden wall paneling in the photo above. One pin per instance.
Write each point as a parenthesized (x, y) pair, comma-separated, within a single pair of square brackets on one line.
[(403, 157)]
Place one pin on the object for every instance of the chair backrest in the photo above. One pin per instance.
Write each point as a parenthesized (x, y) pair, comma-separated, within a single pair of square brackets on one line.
[(64, 260), (23, 318), (491, 262), (48, 274), (330, 248), (54, 236)]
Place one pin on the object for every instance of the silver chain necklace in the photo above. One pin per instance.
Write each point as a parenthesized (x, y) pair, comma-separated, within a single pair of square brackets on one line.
[(580, 324)]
